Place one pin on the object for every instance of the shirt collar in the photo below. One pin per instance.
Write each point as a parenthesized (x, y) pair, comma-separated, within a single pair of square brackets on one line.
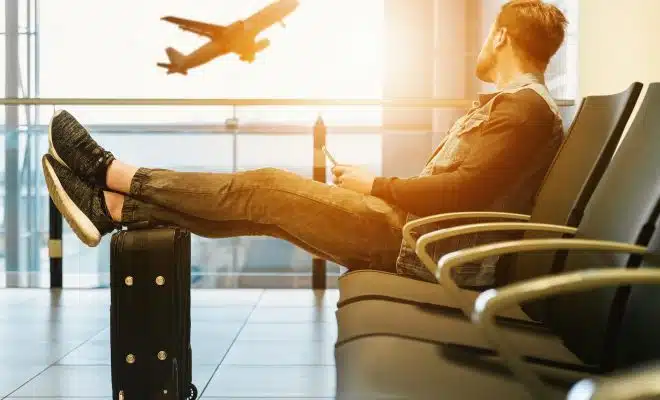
[(518, 82)]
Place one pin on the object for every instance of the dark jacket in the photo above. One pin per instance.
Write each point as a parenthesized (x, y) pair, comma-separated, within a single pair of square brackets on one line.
[(494, 158)]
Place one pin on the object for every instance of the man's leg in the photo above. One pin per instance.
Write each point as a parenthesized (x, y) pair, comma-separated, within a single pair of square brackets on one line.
[(362, 231), (351, 229), (141, 212)]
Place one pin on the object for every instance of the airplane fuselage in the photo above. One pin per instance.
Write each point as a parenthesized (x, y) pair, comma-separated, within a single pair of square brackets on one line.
[(239, 38), (204, 54)]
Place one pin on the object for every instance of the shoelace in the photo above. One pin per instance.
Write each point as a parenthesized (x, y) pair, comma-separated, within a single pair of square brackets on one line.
[(95, 158)]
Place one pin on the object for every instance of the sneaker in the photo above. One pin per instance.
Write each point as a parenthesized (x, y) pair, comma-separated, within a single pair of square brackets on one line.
[(71, 145), (81, 204)]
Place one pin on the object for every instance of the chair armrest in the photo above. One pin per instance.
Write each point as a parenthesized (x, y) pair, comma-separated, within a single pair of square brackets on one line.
[(492, 301), (407, 228), (638, 383), (425, 240), (452, 260)]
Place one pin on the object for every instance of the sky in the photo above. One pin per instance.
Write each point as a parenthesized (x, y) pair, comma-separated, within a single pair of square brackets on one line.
[(330, 48)]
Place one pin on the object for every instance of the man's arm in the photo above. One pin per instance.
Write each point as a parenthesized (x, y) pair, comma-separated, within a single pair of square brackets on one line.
[(519, 129)]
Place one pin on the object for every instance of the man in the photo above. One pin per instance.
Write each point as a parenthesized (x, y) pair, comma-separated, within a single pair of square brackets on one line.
[(493, 158)]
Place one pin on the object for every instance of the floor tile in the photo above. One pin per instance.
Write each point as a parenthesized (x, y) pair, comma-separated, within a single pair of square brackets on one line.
[(70, 298), (35, 353), (290, 332), (209, 352), (12, 296), (48, 332), (65, 398), (221, 314), (86, 381), (263, 382), (292, 314), (97, 352), (299, 298), (103, 336), (69, 381), (34, 313), (208, 330), (90, 353), (281, 353), (225, 297), (12, 377), (283, 343), (200, 331), (202, 376)]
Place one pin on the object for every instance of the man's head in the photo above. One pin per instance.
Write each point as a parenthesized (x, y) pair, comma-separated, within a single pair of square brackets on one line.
[(525, 35)]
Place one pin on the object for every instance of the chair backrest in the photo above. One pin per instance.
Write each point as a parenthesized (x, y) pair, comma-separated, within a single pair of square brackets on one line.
[(585, 154), (578, 167), (638, 339), (623, 208)]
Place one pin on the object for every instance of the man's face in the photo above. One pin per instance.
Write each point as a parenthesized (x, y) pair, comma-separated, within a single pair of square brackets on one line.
[(487, 59)]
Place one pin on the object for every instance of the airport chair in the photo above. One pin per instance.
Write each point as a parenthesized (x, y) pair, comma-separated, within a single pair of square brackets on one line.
[(625, 300), (395, 368), (623, 209), (584, 156), (637, 384)]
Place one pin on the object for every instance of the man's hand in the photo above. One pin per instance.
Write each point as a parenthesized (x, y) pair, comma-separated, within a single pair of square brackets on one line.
[(353, 178)]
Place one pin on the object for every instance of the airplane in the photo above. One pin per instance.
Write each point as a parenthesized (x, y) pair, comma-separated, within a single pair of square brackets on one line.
[(239, 37)]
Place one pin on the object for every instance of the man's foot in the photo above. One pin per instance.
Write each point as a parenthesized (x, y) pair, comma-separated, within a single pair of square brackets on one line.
[(71, 144), (81, 204)]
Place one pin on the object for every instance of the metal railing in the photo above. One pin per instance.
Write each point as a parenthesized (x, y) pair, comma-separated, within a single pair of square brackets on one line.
[(395, 103), (319, 132)]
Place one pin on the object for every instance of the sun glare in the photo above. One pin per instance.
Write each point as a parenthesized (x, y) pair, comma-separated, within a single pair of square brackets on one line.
[(329, 48)]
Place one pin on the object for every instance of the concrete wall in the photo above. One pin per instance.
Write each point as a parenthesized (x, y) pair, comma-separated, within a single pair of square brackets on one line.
[(618, 44)]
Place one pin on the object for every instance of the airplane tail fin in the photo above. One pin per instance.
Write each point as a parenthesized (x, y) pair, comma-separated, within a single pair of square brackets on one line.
[(175, 58)]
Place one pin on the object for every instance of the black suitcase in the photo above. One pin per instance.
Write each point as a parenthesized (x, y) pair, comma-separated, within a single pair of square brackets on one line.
[(150, 315)]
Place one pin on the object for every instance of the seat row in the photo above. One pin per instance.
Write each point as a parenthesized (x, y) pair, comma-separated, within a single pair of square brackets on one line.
[(577, 294)]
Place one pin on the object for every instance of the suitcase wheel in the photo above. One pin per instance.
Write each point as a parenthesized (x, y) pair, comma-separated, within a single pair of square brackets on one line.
[(193, 392)]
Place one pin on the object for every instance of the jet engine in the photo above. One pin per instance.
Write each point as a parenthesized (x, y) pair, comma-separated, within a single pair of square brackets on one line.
[(257, 47), (261, 45)]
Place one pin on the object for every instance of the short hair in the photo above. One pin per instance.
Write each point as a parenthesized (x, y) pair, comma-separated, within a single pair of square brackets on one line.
[(535, 27)]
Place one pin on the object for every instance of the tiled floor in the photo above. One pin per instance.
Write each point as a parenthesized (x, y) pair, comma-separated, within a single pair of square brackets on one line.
[(247, 344)]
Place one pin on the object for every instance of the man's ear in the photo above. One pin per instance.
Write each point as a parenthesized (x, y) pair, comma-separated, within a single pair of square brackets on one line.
[(500, 38)]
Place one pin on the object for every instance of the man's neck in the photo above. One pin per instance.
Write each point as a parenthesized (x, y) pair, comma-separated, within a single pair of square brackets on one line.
[(505, 76)]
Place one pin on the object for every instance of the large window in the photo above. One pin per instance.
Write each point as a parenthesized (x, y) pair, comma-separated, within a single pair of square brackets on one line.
[(562, 75), (329, 49)]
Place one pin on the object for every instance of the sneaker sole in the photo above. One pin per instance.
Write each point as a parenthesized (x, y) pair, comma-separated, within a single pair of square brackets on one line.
[(51, 148), (82, 226)]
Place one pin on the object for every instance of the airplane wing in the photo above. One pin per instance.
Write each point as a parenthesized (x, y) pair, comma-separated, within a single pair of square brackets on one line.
[(257, 24), (270, 15), (200, 28)]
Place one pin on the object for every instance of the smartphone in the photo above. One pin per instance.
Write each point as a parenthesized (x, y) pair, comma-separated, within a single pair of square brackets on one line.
[(330, 157)]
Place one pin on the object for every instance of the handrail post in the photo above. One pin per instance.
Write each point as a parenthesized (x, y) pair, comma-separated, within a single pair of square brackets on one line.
[(319, 175), (55, 249)]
